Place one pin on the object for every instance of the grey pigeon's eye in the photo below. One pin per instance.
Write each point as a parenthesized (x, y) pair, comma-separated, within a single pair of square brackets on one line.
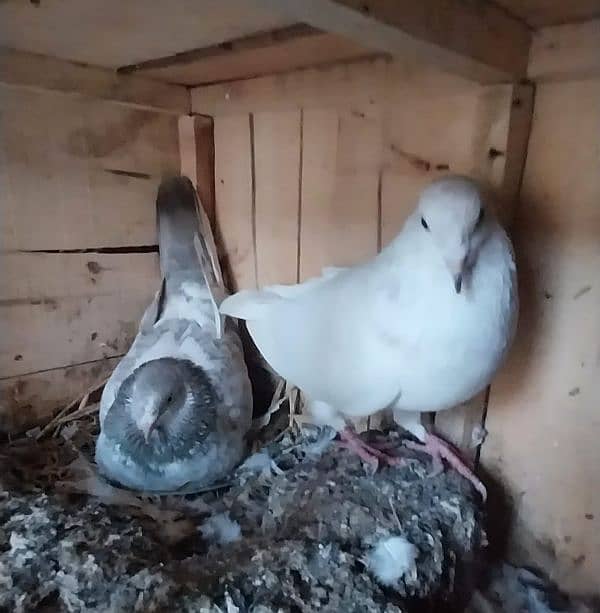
[(424, 223), (480, 218), (169, 398)]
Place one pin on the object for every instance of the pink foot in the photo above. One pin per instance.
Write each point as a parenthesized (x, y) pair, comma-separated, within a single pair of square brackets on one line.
[(367, 453), (439, 450)]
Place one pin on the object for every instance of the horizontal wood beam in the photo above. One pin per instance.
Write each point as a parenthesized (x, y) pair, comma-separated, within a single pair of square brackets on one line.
[(477, 40), (296, 46), (570, 51), (309, 88), (18, 68)]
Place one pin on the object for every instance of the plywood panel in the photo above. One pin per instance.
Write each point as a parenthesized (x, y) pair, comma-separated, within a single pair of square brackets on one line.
[(62, 309), (80, 173), (543, 418), (277, 194), (28, 400), (113, 33), (234, 190)]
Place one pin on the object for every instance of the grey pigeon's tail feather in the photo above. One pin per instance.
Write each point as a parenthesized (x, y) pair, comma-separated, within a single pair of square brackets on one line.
[(186, 244)]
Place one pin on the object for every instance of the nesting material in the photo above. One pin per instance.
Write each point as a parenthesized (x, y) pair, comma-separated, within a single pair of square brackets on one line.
[(301, 527)]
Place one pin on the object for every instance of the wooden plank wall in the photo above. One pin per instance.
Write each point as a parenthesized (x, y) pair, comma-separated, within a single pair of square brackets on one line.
[(543, 418), (77, 239), (321, 167)]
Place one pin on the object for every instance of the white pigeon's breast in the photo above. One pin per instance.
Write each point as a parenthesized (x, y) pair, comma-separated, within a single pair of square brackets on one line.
[(462, 343)]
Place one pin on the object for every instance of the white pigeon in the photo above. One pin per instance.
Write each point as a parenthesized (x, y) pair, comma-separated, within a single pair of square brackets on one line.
[(176, 409), (421, 327)]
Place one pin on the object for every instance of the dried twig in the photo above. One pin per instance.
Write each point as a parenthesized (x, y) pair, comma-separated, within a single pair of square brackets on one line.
[(80, 402), (83, 412)]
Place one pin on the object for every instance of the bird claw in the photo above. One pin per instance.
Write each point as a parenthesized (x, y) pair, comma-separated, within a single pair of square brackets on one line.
[(371, 454), (439, 451)]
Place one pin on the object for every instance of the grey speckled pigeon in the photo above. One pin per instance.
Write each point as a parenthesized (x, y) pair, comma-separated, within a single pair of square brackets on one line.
[(176, 409)]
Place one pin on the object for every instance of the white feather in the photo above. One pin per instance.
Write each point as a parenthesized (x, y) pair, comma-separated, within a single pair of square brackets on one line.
[(392, 559)]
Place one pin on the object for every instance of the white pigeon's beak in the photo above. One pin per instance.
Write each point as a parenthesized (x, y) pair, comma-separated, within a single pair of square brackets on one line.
[(456, 268), (458, 282)]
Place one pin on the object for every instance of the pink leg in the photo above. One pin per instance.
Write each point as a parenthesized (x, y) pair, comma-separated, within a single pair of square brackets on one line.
[(439, 450), (365, 452)]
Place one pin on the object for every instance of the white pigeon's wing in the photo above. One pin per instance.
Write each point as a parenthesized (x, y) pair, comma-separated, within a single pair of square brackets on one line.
[(324, 342), (255, 304), (250, 304)]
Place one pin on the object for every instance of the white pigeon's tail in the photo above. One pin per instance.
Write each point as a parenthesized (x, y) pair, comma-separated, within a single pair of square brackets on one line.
[(186, 243)]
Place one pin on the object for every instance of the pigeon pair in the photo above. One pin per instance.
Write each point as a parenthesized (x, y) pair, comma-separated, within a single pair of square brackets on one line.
[(421, 327)]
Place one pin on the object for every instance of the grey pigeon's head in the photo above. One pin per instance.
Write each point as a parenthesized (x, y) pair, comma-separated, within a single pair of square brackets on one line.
[(164, 408), (453, 217)]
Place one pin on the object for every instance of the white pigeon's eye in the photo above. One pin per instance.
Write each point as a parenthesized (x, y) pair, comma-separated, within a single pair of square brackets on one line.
[(424, 223)]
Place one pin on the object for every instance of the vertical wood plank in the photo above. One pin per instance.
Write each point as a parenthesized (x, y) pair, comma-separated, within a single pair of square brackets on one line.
[(197, 158), (277, 161), (340, 179), (319, 161), (234, 192)]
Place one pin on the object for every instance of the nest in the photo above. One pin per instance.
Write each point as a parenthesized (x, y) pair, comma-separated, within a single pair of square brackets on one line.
[(294, 529)]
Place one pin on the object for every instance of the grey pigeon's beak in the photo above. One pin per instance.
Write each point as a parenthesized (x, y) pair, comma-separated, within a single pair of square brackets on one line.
[(458, 279), (147, 428)]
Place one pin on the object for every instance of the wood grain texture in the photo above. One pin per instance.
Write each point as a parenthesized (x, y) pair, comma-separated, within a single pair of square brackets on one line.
[(234, 189), (30, 400), (62, 309), (566, 52), (197, 158), (340, 174), (542, 419), (480, 42), (277, 184), (295, 47), (80, 173), (114, 33), (302, 89), (41, 73)]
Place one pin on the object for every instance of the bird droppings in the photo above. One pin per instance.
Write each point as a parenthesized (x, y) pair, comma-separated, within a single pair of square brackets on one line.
[(302, 532)]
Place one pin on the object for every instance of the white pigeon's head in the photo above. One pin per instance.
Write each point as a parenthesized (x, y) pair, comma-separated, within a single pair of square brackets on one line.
[(453, 217)]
